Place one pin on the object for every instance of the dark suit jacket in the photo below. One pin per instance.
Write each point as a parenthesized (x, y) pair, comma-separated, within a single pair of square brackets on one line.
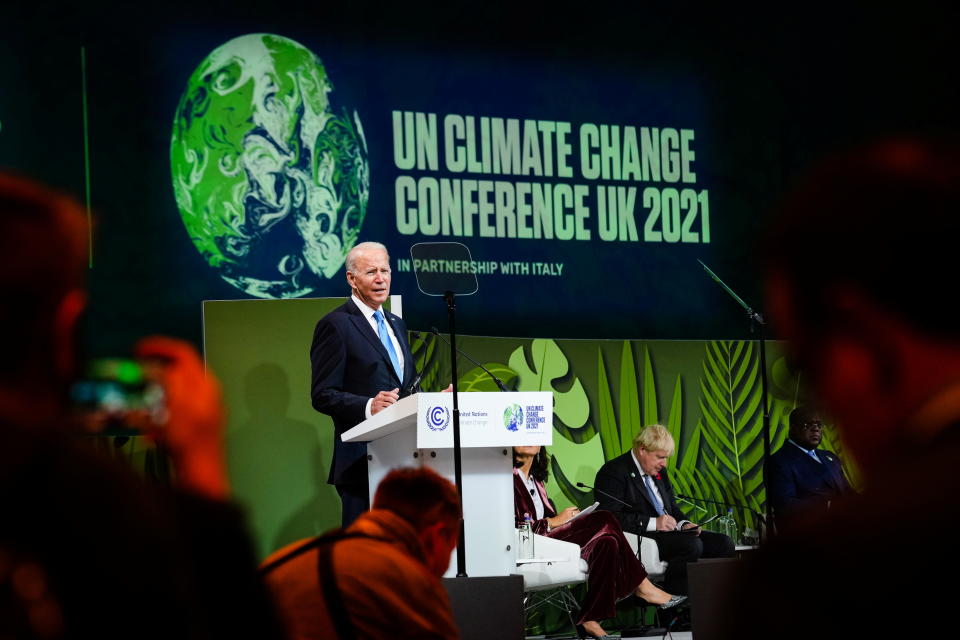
[(349, 366), (621, 478), (796, 483)]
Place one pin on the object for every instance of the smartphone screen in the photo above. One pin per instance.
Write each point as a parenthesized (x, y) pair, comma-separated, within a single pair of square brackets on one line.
[(115, 393)]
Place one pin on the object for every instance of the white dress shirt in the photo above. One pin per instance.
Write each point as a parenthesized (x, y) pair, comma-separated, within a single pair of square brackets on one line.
[(531, 485), (810, 452), (368, 314)]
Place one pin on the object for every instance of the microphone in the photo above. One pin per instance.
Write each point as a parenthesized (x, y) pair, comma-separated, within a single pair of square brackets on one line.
[(497, 380), (728, 504), (719, 502), (694, 505), (626, 504), (414, 385)]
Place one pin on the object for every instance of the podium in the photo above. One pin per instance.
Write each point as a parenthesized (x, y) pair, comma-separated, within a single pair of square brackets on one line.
[(417, 431)]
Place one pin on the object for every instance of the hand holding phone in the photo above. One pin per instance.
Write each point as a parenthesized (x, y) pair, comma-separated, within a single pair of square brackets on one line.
[(194, 427)]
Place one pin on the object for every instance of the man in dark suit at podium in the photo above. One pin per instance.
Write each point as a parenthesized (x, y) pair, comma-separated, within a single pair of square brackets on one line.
[(360, 361), (802, 477), (639, 478)]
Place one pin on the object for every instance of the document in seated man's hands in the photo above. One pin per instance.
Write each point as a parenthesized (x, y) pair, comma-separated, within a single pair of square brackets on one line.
[(694, 530), (696, 527)]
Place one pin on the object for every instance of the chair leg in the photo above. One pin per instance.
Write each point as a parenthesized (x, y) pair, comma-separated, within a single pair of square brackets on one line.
[(562, 598), (568, 599)]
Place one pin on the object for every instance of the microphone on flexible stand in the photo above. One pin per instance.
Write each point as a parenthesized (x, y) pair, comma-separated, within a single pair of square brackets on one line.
[(732, 505), (759, 518), (692, 504), (497, 380), (413, 386), (623, 502)]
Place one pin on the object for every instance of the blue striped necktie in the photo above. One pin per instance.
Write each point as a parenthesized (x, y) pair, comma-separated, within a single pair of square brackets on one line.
[(654, 498), (387, 343)]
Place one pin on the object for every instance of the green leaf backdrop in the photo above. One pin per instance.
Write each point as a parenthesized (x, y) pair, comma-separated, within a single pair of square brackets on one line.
[(708, 394)]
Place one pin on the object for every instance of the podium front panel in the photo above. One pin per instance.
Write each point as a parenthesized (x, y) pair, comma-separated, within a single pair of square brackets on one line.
[(390, 452), (491, 423), (487, 508), (487, 419)]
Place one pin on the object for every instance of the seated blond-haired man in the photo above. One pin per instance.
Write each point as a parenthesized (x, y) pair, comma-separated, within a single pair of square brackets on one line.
[(648, 507)]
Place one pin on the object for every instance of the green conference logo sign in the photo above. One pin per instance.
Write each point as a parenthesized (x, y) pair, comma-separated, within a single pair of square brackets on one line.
[(513, 417), (271, 183)]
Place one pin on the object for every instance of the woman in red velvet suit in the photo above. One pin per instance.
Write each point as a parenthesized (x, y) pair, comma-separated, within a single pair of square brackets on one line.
[(614, 570)]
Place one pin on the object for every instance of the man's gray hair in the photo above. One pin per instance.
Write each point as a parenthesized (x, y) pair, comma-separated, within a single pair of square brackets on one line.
[(360, 248)]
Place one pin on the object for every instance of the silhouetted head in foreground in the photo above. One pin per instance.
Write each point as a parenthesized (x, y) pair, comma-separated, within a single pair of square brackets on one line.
[(860, 281), (43, 253)]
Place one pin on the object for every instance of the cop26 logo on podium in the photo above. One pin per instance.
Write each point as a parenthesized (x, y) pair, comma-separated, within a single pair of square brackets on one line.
[(513, 417), (438, 418)]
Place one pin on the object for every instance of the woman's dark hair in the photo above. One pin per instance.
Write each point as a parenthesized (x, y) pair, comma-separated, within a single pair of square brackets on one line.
[(540, 469)]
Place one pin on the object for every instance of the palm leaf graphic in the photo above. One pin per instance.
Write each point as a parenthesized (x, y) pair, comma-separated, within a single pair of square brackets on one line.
[(478, 380), (607, 427), (546, 365), (629, 398), (651, 414), (730, 395), (697, 485), (675, 423), (617, 429), (691, 450), (573, 494)]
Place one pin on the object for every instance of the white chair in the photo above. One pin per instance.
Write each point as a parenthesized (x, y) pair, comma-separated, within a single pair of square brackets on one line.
[(649, 555), (557, 565), (547, 576)]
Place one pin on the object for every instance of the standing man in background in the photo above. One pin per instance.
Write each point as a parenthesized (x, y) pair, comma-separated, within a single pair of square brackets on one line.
[(360, 361)]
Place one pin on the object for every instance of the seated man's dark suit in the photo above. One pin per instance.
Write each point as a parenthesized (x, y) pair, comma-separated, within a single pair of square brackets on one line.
[(796, 482), (620, 477), (349, 367)]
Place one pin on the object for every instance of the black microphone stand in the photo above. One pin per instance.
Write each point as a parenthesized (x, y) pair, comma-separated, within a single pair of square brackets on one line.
[(449, 286), (756, 324), (450, 297)]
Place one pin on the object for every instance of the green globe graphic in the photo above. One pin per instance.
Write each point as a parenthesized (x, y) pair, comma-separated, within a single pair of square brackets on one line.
[(272, 185), (513, 417)]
